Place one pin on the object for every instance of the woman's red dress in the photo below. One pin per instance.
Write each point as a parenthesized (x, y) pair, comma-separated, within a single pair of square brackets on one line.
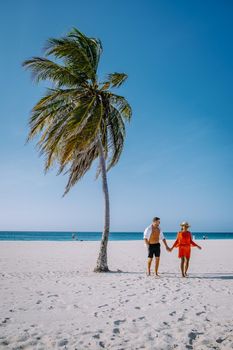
[(184, 242)]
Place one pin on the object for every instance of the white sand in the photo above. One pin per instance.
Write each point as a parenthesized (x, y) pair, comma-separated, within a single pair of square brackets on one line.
[(51, 299)]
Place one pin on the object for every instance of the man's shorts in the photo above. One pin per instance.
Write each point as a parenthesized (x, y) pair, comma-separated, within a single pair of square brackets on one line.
[(154, 249)]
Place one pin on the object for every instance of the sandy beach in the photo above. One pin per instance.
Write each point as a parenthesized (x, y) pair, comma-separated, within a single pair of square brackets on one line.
[(51, 299)]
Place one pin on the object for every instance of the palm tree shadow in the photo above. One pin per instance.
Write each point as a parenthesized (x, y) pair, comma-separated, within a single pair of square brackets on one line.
[(128, 272)]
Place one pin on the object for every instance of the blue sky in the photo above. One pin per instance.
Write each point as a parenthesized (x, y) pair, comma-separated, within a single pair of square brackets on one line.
[(177, 162)]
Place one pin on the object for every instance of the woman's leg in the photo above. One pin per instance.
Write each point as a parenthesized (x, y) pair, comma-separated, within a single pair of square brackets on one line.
[(186, 265), (182, 266)]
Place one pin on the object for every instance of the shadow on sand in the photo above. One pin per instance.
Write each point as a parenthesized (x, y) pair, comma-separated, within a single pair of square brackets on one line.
[(211, 276), (128, 272), (220, 276)]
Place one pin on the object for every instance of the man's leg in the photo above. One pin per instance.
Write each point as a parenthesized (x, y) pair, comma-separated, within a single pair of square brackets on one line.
[(157, 259), (148, 266), (182, 266), (186, 266)]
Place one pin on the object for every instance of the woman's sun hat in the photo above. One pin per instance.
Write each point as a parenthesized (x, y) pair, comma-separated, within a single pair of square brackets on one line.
[(185, 223)]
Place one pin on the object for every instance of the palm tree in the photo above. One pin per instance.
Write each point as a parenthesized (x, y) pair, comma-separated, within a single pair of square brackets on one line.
[(79, 119)]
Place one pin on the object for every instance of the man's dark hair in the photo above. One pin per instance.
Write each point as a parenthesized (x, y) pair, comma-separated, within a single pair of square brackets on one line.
[(155, 219)]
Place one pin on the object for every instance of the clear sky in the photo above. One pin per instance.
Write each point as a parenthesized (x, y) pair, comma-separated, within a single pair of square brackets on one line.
[(178, 157)]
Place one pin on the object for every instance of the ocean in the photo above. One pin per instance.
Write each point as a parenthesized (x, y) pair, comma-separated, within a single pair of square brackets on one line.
[(96, 236)]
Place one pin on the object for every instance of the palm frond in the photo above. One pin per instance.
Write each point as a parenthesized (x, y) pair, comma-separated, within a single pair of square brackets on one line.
[(116, 79), (122, 105), (80, 165), (50, 107), (75, 55), (82, 158), (92, 46), (82, 136), (116, 137), (44, 69), (62, 134), (71, 118)]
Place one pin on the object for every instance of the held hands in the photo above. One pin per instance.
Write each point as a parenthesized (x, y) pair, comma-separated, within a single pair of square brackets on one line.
[(169, 249)]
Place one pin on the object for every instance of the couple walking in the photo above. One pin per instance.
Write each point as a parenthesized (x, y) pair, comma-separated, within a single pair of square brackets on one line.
[(152, 236)]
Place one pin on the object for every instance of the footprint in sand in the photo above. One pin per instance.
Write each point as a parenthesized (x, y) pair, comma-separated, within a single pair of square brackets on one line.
[(23, 338), (220, 340), (118, 322), (102, 306), (116, 330), (4, 343), (96, 336), (63, 342), (181, 319), (192, 336), (172, 313), (52, 295), (7, 319), (199, 313)]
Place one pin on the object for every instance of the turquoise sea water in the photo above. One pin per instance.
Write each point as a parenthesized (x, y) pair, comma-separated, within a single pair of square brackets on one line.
[(96, 236)]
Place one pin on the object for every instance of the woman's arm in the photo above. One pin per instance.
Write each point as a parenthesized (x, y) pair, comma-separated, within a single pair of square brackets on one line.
[(193, 244), (176, 243)]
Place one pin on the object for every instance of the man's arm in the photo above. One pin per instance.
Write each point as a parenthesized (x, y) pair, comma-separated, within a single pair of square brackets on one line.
[(165, 243), (146, 236)]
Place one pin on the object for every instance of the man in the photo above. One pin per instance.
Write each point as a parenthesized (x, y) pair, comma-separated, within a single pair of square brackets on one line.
[(152, 236)]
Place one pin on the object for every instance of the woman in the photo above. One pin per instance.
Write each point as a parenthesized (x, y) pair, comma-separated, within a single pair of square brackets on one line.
[(184, 242)]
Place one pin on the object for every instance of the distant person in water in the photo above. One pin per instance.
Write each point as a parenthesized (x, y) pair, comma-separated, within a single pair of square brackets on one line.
[(184, 242), (152, 236), (74, 237)]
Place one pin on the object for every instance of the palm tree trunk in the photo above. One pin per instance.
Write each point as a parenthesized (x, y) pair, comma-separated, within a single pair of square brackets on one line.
[(102, 263)]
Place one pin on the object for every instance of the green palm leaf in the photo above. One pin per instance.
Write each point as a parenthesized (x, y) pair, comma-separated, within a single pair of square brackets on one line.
[(116, 137), (116, 79), (92, 46), (80, 53), (122, 105), (71, 117), (50, 107), (44, 69)]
